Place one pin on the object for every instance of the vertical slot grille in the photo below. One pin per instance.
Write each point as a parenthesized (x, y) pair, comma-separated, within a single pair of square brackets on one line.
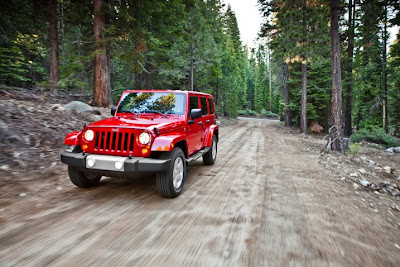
[(112, 141)]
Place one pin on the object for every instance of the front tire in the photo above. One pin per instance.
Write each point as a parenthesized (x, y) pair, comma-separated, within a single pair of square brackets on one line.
[(210, 157), (170, 182), (82, 179)]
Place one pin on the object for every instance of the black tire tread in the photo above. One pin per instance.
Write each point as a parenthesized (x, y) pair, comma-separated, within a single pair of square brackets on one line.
[(79, 178), (207, 157), (163, 181)]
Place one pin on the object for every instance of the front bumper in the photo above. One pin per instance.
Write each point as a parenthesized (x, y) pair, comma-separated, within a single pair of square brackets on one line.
[(107, 163)]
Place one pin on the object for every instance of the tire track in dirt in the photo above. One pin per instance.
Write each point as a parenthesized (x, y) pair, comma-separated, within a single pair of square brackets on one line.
[(263, 203)]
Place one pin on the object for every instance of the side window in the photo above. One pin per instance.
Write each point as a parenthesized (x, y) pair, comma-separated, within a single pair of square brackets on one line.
[(194, 102), (210, 104), (203, 101)]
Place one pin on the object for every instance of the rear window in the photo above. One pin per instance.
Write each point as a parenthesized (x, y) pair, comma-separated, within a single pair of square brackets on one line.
[(210, 104), (203, 101)]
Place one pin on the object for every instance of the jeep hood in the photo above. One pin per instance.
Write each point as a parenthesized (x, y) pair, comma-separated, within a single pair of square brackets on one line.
[(139, 123)]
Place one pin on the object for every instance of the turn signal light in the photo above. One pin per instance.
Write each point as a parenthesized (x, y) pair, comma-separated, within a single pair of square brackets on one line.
[(144, 150)]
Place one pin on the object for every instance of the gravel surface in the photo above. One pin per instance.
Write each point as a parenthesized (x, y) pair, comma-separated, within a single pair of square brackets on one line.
[(271, 199)]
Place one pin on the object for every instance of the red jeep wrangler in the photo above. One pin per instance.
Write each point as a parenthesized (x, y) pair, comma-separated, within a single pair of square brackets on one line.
[(150, 131)]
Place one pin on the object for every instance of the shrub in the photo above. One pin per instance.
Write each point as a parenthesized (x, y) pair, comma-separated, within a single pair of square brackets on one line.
[(268, 113), (376, 136)]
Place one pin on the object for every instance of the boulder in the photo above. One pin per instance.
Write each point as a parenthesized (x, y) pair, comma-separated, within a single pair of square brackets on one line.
[(394, 149), (78, 106)]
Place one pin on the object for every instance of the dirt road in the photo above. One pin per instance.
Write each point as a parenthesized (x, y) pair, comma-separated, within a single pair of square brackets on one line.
[(266, 202)]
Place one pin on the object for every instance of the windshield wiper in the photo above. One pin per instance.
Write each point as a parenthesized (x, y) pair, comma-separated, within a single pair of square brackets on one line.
[(156, 111)]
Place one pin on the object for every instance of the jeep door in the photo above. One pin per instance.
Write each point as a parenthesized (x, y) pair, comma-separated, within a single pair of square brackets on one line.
[(206, 117), (194, 135)]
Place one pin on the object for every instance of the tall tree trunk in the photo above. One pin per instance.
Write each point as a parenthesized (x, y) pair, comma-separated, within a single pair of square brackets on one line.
[(62, 20), (350, 53), (303, 115), (53, 44), (337, 133), (191, 68), (270, 79), (286, 109), (102, 83), (384, 81)]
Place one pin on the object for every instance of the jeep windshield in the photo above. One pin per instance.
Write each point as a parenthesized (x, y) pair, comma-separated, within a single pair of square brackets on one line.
[(149, 102)]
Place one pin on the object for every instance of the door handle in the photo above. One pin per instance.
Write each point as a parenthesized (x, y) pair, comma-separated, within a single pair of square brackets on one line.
[(200, 122), (207, 121)]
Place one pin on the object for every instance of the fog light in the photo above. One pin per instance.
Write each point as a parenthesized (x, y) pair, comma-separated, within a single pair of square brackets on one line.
[(144, 150), (84, 147), (91, 163), (118, 165)]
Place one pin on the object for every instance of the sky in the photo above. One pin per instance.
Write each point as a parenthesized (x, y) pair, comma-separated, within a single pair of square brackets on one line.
[(248, 17)]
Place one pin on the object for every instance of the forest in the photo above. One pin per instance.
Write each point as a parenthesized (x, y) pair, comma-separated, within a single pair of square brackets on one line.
[(104, 47)]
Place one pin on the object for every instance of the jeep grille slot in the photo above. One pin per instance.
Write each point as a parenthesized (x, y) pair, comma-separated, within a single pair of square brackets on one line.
[(114, 141)]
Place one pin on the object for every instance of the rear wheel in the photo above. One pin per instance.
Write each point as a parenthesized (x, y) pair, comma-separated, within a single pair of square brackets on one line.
[(83, 179), (170, 182), (210, 157)]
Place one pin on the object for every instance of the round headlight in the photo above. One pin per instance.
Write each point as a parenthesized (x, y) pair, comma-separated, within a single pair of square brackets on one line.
[(89, 135), (144, 138)]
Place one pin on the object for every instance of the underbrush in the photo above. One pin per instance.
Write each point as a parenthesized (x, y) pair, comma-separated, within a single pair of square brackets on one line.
[(263, 113), (377, 136)]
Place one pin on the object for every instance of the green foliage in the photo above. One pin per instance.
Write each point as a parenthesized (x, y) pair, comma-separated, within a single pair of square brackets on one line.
[(354, 149), (247, 112), (267, 113), (375, 135)]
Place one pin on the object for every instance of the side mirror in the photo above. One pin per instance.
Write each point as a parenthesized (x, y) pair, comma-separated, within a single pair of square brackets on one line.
[(113, 110), (195, 113)]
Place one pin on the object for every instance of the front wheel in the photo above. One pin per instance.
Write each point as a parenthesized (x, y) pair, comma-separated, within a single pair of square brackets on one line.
[(83, 179), (210, 157), (170, 182)]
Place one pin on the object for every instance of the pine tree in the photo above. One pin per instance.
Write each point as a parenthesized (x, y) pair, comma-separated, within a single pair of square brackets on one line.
[(337, 133)]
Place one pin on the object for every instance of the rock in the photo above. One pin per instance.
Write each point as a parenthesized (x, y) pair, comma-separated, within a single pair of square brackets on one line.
[(77, 106), (16, 140), (363, 158), (393, 149), (22, 195), (356, 186), (363, 171), (59, 188), (5, 168), (3, 129), (57, 107), (395, 192), (371, 162), (396, 245), (364, 182), (387, 169), (343, 178), (395, 207), (354, 174)]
